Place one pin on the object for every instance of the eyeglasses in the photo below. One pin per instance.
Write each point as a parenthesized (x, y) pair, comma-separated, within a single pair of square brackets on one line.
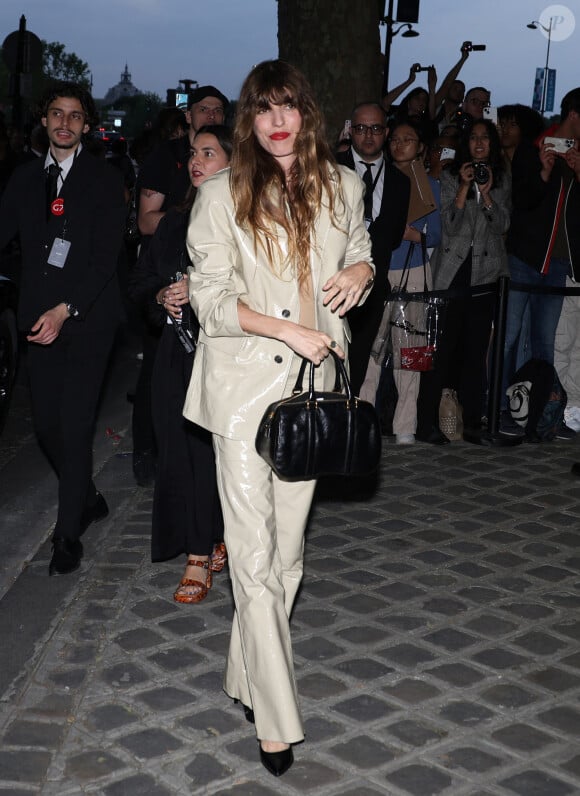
[(403, 141), (209, 110), (480, 102), (373, 129)]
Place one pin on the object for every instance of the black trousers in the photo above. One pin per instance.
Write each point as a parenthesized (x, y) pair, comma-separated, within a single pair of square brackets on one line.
[(460, 363), (65, 385), (187, 516), (364, 324), (142, 425)]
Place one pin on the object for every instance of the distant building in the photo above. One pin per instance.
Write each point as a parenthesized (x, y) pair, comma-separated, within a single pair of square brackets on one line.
[(124, 88)]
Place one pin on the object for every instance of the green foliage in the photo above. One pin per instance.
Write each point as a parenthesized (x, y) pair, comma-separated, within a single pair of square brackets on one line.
[(57, 64)]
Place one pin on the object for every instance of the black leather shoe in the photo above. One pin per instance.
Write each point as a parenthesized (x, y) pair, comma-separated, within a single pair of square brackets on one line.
[(95, 513), (434, 437), (277, 763), (66, 556), (248, 712)]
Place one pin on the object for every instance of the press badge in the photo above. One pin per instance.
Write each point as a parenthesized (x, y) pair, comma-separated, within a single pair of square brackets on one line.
[(59, 252)]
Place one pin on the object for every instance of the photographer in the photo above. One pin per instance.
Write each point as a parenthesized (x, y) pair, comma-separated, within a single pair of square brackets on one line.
[(475, 208)]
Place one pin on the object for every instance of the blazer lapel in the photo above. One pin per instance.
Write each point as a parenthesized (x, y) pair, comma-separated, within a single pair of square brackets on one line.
[(321, 231)]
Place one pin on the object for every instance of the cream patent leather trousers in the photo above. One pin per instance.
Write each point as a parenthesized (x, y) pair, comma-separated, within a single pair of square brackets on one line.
[(264, 521)]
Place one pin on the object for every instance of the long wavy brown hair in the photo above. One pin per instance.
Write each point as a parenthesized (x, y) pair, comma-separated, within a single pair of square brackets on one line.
[(263, 195)]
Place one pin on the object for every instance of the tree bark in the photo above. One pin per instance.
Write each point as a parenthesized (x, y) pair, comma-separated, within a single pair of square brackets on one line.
[(336, 43)]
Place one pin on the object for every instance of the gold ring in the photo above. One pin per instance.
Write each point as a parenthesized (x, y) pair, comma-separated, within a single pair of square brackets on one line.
[(333, 343)]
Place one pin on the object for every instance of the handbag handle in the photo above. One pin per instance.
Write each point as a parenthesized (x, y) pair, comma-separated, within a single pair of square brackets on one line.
[(405, 275), (424, 258), (340, 375)]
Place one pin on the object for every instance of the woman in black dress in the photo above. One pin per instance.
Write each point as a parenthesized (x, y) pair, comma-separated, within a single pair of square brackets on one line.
[(186, 510)]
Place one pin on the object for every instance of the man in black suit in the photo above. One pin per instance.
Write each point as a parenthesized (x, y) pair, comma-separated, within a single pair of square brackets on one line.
[(68, 210), (386, 207)]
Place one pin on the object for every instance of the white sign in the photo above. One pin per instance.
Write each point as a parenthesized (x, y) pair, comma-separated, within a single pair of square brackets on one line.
[(563, 22)]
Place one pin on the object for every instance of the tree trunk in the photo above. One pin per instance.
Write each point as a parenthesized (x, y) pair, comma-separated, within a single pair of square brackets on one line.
[(336, 43)]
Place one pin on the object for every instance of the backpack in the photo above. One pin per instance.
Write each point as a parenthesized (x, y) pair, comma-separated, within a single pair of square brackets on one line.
[(537, 400)]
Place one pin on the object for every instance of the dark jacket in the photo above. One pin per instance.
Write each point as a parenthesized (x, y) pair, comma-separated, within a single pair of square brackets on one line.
[(388, 227), (537, 207), (473, 229), (157, 266), (93, 222), (386, 233)]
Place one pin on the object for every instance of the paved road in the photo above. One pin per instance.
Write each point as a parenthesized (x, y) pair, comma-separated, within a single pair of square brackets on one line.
[(437, 642)]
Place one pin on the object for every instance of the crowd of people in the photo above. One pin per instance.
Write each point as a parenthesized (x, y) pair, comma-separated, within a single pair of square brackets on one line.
[(260, 246), (502, 201)]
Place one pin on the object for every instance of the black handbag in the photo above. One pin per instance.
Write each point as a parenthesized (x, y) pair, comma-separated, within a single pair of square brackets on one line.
[(311, 434)]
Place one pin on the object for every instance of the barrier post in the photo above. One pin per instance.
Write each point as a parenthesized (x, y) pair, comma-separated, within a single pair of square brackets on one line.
[(492, 435), (496, 372)]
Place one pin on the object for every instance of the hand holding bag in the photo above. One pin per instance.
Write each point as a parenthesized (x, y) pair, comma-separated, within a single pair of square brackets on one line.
[(314, 433)]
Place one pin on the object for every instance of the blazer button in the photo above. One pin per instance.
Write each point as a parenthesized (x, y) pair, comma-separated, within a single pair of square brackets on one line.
[(278, 358), (285, 313)]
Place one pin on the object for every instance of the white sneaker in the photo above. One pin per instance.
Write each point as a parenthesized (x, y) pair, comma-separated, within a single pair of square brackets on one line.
[(405, 439), (572, 417), (573, 423)]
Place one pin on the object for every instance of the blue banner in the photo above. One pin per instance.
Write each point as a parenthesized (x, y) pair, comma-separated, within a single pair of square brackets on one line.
[(538, 89), (551, 91)]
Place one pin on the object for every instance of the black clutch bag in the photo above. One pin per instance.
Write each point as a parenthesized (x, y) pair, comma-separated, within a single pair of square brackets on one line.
[(313, 433)]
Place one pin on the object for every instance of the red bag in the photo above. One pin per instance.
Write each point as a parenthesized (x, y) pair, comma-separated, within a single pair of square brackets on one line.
[(418, 357)]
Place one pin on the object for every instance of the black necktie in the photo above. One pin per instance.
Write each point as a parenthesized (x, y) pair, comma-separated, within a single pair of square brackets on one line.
[(52, 174), (368, 181)]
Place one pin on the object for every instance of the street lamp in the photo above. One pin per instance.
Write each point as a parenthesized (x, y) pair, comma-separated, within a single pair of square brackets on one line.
[(409, 33), (534, 26)]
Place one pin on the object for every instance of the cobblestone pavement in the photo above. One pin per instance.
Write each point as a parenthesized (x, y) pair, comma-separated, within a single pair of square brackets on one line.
[(436, 638)]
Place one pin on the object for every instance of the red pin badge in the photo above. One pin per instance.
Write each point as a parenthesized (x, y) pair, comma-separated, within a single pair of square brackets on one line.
[(57, 207)]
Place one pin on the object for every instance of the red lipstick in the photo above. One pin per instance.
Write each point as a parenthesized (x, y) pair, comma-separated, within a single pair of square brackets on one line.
[(279, 136)]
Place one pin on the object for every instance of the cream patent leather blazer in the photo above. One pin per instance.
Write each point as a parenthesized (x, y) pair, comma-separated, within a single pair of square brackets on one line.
[(237, 375)]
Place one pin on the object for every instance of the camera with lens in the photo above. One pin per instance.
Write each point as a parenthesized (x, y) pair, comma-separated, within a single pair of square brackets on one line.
[(463, 120), (419, 68), (480, 173), (469, 46)]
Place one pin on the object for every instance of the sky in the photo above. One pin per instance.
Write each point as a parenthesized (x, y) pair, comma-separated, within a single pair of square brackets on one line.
[(218, 41)]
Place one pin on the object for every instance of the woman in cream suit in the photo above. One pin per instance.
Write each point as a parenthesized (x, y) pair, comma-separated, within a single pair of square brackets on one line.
[(280, 254)]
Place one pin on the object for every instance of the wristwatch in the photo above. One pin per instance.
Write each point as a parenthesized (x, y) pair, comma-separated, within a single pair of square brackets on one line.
[(72, 310)]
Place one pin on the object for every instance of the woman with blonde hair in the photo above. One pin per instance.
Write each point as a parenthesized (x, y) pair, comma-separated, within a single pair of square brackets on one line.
[(280, 253)]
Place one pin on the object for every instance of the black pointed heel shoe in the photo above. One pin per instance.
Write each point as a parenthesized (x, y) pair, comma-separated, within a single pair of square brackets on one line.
[(248, 712), (277, 763)]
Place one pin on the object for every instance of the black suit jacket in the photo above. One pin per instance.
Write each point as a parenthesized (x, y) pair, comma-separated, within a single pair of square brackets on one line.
[(386, 232), (388, 227), (93, 222)]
